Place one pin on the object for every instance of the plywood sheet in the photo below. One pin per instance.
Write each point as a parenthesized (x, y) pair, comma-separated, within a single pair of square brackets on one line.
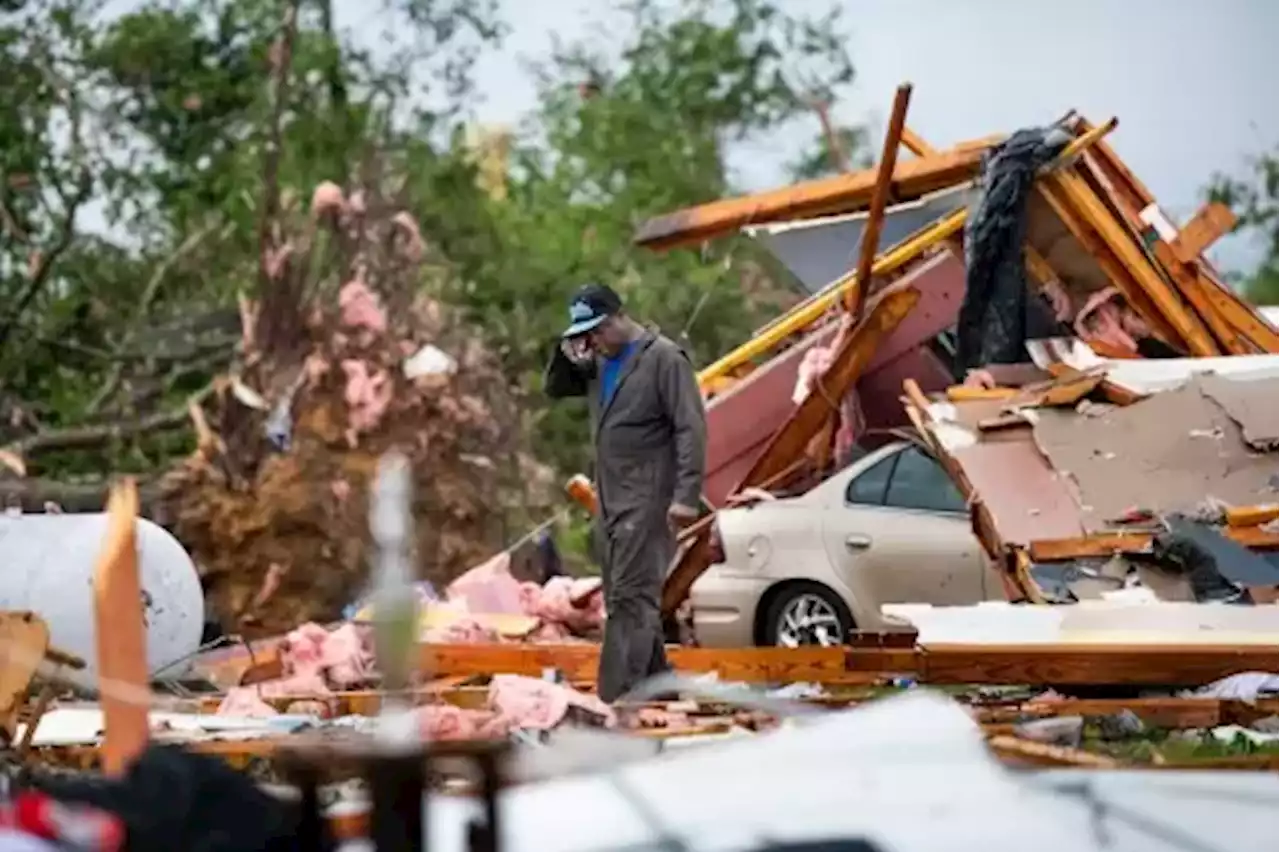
[(1252, 404), (1166, 453)]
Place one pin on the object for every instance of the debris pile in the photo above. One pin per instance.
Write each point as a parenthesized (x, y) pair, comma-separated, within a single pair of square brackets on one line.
[(336, 368)]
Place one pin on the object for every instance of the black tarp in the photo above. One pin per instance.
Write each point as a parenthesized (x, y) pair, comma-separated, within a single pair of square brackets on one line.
[(996, 316)]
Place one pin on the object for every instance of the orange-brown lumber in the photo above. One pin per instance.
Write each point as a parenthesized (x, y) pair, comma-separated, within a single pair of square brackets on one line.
[(121, 636)]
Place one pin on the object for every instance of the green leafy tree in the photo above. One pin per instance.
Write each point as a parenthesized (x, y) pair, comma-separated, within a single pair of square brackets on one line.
[(159, 125), (838, 147), (197, 118), (1254, 201), (628, 130)]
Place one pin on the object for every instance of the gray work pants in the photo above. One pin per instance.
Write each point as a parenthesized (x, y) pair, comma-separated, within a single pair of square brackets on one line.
[(636, 552)]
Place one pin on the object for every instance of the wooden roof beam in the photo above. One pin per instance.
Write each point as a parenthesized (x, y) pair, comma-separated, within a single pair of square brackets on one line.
[(828, 196)]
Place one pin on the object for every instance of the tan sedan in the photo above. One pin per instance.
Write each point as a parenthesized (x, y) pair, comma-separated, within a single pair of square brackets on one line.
[(889, 528)]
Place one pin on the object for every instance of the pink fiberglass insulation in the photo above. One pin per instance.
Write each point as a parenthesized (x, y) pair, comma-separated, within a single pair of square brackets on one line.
[(327, 199), (816, 362), (514, 703), (488, 588), (245, 703), (530, 703), (361, 307), (449, 723), (368, 394), (574, 605), (342, 657)]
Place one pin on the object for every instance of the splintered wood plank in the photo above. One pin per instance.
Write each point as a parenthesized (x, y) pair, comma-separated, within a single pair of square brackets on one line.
[(1065, 664), (24, 639), (841, 193), (879, 198), (1108, 544), (1175, 273), (1111, 392), (1255, 538), (1252, 516), (1086, 202), (943, 664), (1071, 664), (1019, 572), (964, 393), (1232, 342), (1157, 712), (1242, 316), (1210, 223), (580, 662), (121, 635), (1228, 303), (357, 702), (1042, 754), (916, 144), (1126, 182)]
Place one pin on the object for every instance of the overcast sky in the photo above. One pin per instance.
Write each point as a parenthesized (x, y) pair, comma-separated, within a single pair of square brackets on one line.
[(1195, 83)]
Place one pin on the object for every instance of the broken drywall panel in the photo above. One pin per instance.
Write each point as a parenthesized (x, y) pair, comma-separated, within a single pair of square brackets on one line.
[(1166, 453), (1253, 405), (1028, 500)]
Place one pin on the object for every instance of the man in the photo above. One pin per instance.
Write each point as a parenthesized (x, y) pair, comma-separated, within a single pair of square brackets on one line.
[(650, 435)]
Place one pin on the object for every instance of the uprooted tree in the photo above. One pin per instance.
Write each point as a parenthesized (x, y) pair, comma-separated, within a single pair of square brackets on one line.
[(171, 306)]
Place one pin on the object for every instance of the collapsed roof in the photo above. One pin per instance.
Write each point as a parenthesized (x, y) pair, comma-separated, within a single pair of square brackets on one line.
[(1092, 243)]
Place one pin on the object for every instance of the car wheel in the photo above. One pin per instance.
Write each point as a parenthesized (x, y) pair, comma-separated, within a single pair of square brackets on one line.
[(807, 614)]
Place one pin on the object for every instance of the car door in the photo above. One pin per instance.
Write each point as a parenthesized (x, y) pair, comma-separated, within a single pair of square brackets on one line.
[(902, 535)]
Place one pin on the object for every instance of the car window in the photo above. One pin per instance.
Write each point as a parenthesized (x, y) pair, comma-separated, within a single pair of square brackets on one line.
[(919, 482), (868, 488)]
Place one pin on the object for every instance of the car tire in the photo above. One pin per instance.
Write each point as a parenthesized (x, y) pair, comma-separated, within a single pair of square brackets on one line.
[(829, 621)]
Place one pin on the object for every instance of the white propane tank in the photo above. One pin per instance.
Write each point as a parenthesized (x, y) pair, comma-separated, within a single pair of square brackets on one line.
[(47, 564)]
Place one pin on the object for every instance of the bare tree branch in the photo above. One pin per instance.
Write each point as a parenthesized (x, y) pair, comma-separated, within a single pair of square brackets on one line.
[(31, 495), (112, 384), (93, 435), (276, 298), (41, 271)]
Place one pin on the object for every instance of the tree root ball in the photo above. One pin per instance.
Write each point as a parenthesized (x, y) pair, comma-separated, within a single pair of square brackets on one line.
[(274, 506)]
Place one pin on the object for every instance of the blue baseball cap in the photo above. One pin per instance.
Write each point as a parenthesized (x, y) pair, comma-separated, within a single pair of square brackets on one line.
[(590, 306)]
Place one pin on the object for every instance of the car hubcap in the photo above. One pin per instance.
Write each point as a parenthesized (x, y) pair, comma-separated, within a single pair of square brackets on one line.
[(809, 620)]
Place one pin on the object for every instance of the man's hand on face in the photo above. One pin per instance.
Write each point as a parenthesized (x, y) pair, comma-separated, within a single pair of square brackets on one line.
[(577, 349), (680, 516)]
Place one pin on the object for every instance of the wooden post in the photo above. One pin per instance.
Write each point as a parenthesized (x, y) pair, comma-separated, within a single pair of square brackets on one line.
[(857, 297), (121, 635)]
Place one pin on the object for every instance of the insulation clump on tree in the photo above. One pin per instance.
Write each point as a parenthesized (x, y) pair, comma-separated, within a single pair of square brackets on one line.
[(345, 356)]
